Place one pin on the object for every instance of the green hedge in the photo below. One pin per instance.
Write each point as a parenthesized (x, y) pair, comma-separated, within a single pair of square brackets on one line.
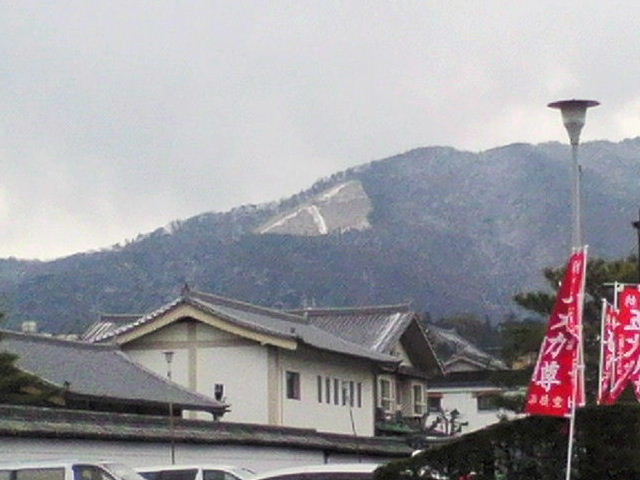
[(607, 446)]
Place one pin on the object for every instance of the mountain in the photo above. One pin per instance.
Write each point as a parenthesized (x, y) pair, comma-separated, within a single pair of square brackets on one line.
[(450, 231)]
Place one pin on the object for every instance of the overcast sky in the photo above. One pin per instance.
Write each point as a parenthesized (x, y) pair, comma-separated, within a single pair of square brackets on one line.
[(117, 117)]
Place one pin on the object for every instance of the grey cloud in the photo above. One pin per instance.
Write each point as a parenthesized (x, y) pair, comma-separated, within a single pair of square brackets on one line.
[(119, 117)]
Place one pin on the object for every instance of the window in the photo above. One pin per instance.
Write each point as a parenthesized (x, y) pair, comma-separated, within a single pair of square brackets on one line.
[(434, 403), (40, 474), (186, 474), (218, 391), (327, 386), (385, 394), (345, 392), (217, 475), (319, 389), (84, 472), (418, 399), (487, 402), (336, 391), (293, 385), (352, 393), (359, 394)]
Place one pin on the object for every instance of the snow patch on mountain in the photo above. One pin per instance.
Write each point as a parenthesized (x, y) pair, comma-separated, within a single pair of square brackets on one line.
[(341, 208)]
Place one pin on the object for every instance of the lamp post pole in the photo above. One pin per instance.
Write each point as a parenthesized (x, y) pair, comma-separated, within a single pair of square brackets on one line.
[(574, 113), (636, 225), (168, 357)]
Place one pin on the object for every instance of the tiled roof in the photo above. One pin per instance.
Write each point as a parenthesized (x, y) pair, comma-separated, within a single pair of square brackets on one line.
[(90, 370), (107, 323), (377, 328), (451, 347), (263, 320), (25, 422)]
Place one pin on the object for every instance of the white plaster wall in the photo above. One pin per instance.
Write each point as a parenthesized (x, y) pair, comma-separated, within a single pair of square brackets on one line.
[(139, 454), (467, 404), (243, 372), (148, 351), (327, 417), (216, 357), (155, 361)]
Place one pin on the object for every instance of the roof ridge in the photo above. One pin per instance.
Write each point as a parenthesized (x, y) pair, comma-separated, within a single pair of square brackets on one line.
[(40, 337), (229, 302), (395, 308), (141, 320)]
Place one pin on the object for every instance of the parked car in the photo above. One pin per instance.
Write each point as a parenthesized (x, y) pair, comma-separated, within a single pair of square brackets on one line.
[(331, 471), (195, 472), (66, 470)]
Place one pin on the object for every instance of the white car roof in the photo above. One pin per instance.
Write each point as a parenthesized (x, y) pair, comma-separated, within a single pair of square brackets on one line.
[(200, 466), (328, 467), (53, 463)]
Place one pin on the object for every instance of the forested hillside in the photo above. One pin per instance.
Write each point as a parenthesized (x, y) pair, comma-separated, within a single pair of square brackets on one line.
[(451, 231)]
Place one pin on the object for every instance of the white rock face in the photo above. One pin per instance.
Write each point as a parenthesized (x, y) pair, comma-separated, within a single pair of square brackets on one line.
[(341, 208)]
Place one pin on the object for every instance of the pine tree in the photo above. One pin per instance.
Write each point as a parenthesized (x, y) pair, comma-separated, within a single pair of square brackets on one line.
[(600, 276)]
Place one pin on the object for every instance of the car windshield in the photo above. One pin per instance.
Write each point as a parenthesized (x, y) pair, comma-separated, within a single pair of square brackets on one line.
[(243, 473), (123, 472)]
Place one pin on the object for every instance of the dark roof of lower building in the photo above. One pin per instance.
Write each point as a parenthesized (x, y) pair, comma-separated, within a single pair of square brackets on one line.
[(98, 371), (18, 421), (450, 347)]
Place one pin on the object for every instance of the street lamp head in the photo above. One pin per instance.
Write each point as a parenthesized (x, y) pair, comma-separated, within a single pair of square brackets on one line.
[(573, 116), (168, 356)]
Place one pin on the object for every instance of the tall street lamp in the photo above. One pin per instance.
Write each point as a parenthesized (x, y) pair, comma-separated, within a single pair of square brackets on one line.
[(574, 113), (168, 357)]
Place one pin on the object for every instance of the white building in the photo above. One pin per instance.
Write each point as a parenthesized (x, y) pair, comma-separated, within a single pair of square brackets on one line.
[(462, 400), (331, 370)]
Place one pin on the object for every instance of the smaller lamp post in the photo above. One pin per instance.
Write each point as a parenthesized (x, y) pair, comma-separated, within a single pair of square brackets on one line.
[(168, 357)]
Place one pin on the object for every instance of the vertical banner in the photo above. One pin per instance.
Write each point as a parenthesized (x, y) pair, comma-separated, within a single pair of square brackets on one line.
[(610, 360), (628, 341), (558, 378)]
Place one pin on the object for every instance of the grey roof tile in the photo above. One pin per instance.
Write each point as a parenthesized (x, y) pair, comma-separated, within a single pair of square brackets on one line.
[(32, 422), (264, 320), (450, 346), (97, 371), (376, 328)]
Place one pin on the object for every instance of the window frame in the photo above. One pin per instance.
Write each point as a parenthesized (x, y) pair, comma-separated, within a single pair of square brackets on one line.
[(486, 402), (292, 385), (418, 405), (390, 399)]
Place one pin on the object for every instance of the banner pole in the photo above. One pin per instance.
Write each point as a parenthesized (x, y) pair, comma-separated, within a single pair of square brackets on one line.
[(603, 319), (572, 426), (578, 373)]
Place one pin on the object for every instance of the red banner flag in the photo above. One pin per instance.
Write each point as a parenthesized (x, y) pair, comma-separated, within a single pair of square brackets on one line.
[(628, 341), (558, 380), (610, 359)]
